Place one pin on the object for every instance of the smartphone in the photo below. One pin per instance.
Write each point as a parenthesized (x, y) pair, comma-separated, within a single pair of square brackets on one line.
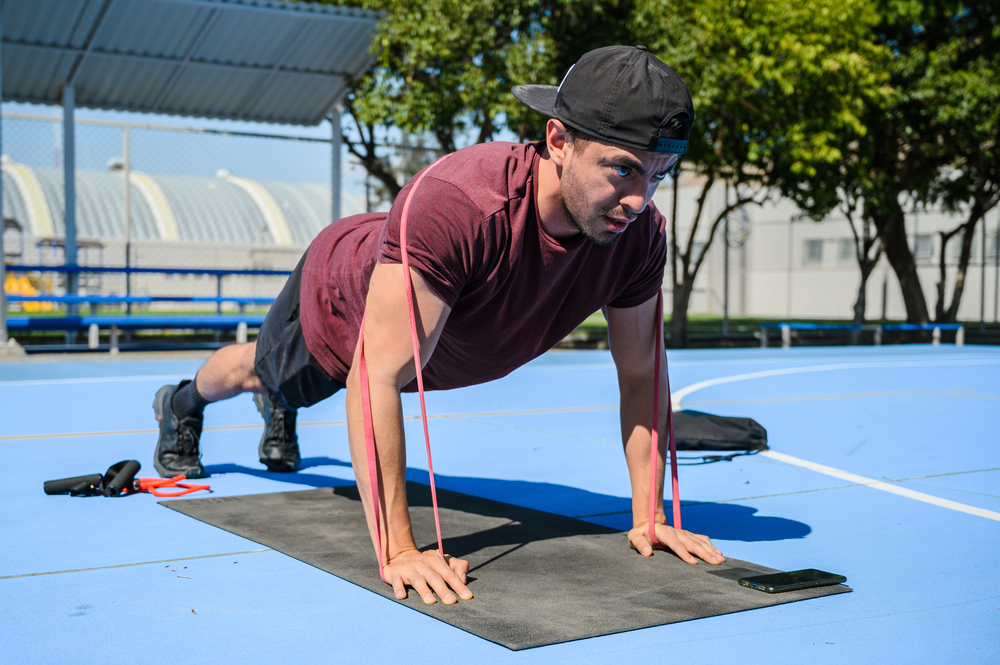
[(791, 581)]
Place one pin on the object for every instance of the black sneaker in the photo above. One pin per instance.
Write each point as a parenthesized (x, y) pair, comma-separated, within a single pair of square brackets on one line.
[(279, 445), (177, 449)]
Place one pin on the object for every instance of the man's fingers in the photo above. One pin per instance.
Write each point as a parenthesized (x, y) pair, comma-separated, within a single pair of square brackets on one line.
[(399, 587), (430, 576), (460, 566), (640, 542), (420, 586), (685, 544), (670, 538)]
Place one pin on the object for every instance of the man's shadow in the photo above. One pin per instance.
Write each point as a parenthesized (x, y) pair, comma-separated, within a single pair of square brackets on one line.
[(719, 521)]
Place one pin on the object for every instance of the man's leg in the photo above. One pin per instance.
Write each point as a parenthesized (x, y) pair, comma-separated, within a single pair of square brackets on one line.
[(179, 409), (228, 373)]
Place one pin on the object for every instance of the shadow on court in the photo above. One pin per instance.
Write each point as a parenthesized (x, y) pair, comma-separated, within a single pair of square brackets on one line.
[(721, 521)]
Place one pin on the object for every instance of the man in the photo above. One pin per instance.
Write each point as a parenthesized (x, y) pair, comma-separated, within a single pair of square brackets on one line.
[(510, 246)]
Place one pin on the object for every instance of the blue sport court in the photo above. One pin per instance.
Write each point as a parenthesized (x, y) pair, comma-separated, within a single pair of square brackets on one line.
[(884, 467)]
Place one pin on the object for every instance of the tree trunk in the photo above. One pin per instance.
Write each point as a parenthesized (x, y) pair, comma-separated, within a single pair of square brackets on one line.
[(968, 233), (942, 285), (861, 303), (892, 229), (679, 315)]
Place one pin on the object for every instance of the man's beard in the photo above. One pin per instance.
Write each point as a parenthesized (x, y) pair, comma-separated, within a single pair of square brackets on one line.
[(578, 212)]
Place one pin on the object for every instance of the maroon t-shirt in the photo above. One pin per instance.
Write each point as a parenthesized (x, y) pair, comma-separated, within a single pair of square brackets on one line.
[(473, 234)]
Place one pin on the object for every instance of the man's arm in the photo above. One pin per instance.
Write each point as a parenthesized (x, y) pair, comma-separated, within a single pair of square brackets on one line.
[(389, 359), (631, 337)]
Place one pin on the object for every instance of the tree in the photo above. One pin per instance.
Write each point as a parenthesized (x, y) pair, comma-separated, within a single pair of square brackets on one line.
[(933, 140), (961, 84), (775, 85), (867, 248), (444, 68)]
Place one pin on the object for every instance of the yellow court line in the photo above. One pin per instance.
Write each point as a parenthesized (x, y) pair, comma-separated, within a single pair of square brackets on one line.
[(139, 563), (442, 416)]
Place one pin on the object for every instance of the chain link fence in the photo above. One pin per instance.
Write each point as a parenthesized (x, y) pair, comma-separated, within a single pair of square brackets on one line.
[(778, 265), (196, 198)]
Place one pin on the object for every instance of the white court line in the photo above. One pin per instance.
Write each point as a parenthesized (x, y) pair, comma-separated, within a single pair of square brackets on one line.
[(879, 485), (828, 470), (687, 390)]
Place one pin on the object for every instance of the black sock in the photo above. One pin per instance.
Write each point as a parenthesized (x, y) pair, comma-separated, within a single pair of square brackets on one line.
[(187, 401)]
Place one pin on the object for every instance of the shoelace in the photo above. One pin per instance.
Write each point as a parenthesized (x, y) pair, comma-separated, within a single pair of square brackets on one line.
[(366, 411), (187, 440)]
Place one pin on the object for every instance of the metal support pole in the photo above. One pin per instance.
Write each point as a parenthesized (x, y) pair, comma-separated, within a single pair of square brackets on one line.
[(218, 293), (885, 294), (996, 271), (982, 280), (69, 180), (3, 257), (725, 278), (786, 337), (335, 144), (127, 212)]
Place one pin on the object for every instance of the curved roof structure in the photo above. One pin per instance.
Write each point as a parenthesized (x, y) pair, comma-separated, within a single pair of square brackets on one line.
[(262, 60), (225, 209)]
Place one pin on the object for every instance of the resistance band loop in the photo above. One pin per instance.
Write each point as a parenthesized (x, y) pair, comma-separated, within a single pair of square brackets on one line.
[(654, 445), (371, 452), (366, 410)]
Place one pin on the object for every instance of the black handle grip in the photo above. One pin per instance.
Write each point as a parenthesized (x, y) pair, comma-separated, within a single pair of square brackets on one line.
[(64, 485), (119, 477)]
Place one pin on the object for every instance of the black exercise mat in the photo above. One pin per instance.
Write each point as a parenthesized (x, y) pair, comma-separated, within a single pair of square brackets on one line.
[(538, 578)]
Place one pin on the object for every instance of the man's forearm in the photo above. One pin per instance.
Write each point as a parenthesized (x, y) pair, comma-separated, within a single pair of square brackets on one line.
[(387, 415), (636, 419)]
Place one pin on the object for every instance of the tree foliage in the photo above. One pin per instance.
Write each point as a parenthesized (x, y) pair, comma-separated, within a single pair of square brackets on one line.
[(444, 68), (775, 86), (870, 104)]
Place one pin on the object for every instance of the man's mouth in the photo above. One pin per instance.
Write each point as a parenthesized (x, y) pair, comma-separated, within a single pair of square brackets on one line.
[(615, 224)]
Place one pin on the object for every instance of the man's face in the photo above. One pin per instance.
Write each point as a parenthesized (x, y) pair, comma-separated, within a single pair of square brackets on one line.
[(604, 187)]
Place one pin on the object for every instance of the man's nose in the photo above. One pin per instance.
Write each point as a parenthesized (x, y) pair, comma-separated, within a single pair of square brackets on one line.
[(634, 199)]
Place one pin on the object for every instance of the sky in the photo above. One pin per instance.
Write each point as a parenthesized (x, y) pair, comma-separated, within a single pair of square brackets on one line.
[(39, 144)]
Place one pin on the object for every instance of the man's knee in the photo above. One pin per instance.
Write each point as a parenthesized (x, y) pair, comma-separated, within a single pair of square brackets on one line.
[(248, 369)]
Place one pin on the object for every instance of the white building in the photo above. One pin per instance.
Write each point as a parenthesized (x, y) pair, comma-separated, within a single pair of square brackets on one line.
[(790, 267)]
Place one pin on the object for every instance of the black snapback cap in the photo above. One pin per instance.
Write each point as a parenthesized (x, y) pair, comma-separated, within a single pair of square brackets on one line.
[(620, 94)]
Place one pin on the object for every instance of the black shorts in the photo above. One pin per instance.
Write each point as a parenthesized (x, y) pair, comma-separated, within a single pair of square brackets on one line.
[(292, 376)]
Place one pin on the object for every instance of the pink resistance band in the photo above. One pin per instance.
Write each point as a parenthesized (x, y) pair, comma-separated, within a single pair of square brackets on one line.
[(373, 476)]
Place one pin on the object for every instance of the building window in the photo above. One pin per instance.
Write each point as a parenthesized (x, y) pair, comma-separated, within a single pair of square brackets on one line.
[(993, 248), (847, 250), (814, 252), (923, 248)]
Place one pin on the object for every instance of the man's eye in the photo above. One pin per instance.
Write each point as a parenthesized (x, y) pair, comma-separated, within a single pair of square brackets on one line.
[(621, 170), (660, 176)]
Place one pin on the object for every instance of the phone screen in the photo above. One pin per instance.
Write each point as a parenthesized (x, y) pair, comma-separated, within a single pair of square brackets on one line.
[(792, 580)]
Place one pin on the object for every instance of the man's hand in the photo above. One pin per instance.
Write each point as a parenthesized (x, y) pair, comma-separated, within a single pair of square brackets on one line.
[(683, 543), (428, 574)]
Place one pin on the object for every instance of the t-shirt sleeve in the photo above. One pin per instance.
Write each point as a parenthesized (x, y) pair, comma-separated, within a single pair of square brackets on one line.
[(649, 278), (444, 230)]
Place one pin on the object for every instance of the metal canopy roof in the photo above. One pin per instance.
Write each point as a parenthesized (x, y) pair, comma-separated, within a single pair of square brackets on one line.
[(260, 60)]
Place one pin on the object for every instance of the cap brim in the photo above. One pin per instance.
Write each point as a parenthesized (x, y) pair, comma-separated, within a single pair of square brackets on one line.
[(541, 98)]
